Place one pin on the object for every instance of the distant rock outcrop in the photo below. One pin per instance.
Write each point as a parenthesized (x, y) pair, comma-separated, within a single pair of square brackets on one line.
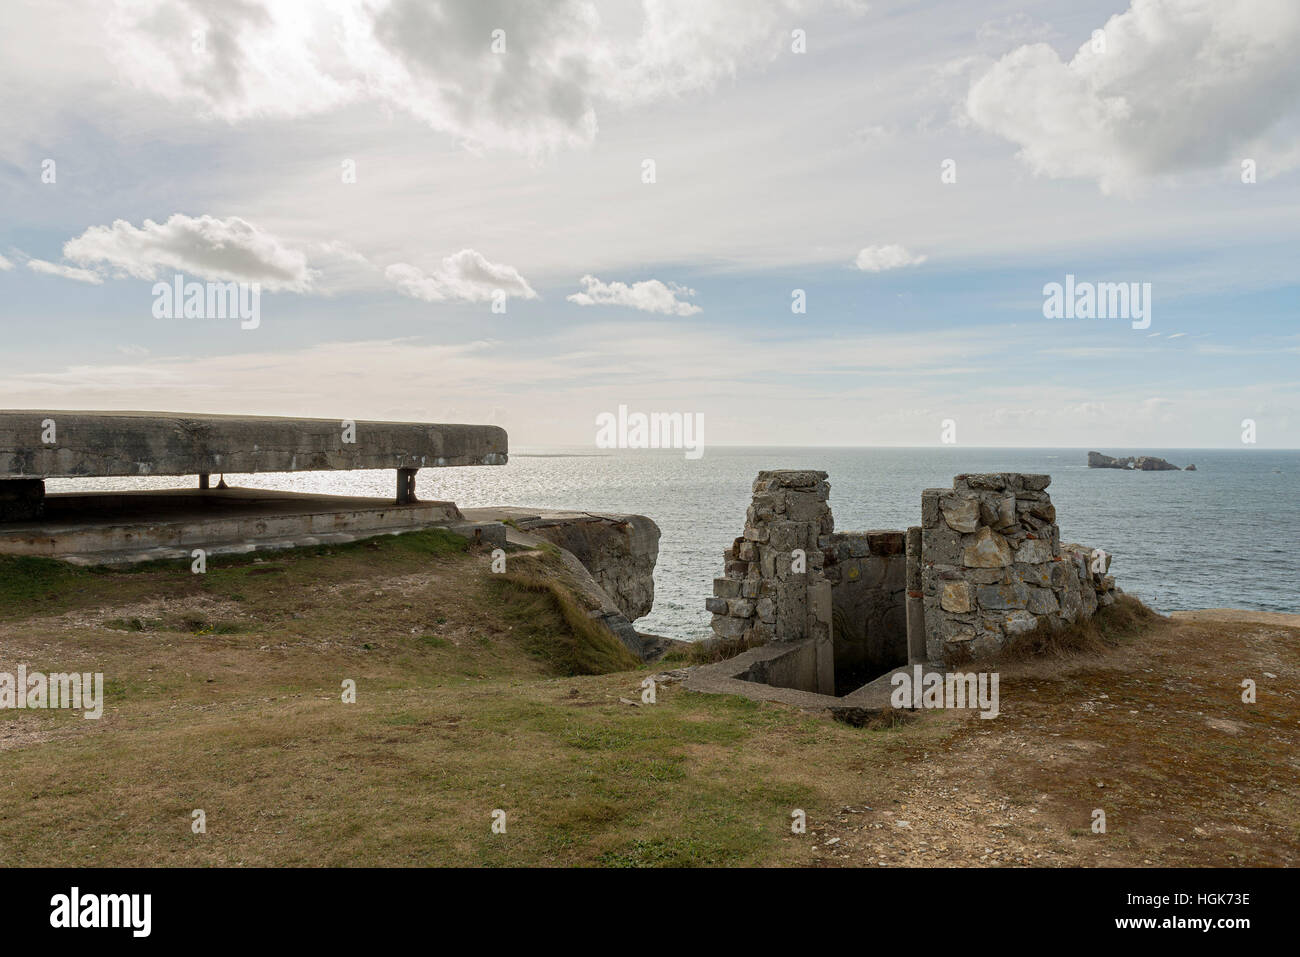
[(1140, 463), (1190, 468)]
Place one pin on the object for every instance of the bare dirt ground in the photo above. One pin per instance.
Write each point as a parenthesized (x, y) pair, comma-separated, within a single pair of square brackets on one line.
[(1155, 734)]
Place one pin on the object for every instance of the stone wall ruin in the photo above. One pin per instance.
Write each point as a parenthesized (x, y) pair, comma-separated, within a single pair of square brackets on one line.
[(993, 567), (986, 564)]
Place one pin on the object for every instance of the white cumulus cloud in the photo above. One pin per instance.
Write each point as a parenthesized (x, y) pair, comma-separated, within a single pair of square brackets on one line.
[(204, 246), (880, 258), (64, 271), (1174, 85), (534, 86), (649, 295), (467, 276)]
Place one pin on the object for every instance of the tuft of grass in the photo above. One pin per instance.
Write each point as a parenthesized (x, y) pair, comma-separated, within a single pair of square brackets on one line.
[(713, 650), (1107, 628), (134, 624), (553, 625)]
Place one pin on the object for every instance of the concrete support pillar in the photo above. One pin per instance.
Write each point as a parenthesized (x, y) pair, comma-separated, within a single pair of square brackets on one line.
[(821, 629), (203, 480), (22, 500), (916, 653), (406, 486)]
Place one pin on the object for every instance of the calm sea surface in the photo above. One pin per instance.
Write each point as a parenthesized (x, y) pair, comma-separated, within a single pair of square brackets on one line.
[(1226, 535)]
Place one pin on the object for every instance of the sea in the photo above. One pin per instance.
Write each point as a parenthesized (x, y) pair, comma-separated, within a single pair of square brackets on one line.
[(1226, 535)]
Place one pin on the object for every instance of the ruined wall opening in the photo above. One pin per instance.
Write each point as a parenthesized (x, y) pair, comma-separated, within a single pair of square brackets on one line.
[(834, 603), (827, 617), (867, 572)]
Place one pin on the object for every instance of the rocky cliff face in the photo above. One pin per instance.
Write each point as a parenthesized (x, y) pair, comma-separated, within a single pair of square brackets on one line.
[(619, 551)]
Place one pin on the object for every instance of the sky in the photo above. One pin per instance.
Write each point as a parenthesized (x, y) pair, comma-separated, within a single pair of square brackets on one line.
[(531, 214)]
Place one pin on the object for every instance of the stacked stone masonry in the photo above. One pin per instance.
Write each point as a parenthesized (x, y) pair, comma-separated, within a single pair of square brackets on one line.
[(985, 564), (774, 587), (993, 566)]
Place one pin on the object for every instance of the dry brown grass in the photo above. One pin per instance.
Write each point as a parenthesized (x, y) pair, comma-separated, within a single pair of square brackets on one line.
[(1126, 618), (713, 650)]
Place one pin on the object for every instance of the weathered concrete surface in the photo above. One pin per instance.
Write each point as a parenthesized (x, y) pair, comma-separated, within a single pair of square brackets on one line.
[(124, 527), (619, 551), (168, 443), (786, 672)]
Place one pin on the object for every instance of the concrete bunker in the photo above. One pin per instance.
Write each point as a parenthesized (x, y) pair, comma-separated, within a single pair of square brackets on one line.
[(828, 617), (108, 526), (609, 559)]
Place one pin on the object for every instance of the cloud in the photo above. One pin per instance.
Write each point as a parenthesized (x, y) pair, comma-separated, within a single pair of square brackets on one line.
[(880, 258), (5, 264), (66, 272), (533, 87), (1180, 85), (467, 276), (650, 295), (207, 247)]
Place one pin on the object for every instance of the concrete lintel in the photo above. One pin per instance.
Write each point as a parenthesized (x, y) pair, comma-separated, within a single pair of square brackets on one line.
[(86, 444)]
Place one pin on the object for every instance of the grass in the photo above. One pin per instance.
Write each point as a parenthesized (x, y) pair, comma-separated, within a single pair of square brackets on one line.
[(1125, 619), (713, 650), (556, 627), (476, 692), (27, 582)]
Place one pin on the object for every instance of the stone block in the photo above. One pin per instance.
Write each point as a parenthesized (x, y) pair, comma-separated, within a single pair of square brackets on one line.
[(1018, 622), (999, 597), (1034, 551), (736, 569), (941, 545), (1040, 575), (956, 597), (930, 506), (725, 627), (786, 536), (962, 513), (740, 608), (988, 549), (1042, 601), (992, 481)]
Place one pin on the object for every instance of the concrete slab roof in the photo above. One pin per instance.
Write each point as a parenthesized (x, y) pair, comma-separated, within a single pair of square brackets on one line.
[(53, 444)]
